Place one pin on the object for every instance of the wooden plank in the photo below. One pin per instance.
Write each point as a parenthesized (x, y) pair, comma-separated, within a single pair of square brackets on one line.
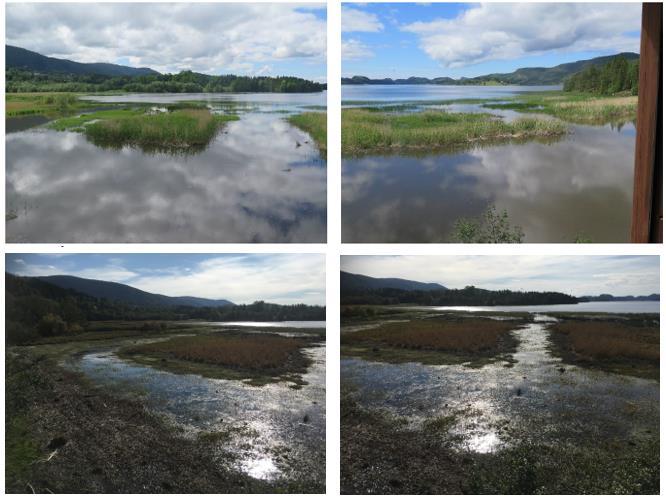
[(647, 207)]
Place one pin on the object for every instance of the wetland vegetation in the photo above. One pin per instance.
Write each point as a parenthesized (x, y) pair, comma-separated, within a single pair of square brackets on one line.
[(436, 415), (105, 396), (428, 161)]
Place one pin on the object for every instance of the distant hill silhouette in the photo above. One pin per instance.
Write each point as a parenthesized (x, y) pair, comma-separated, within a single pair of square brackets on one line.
[(16, 57), (125, 294), (522, 76), (350, 282)]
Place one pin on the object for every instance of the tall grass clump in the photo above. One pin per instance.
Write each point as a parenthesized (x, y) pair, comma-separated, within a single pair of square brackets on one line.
[(180, 130), (314, 123), (365, 131)]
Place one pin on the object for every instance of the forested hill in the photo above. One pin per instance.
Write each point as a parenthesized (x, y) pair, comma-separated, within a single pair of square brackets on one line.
[(469, 296), (125, 294), (27, 71), (36, 308), (522, 76), (16, 57), (352, 282)]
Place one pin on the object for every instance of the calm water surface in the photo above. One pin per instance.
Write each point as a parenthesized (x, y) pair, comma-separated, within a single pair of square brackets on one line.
[(259, 180), (591, 307), (578, 187)]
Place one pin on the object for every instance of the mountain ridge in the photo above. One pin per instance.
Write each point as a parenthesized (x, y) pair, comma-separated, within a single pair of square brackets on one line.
[(20, 58), (351, 281), (522, 76), (115, 291)]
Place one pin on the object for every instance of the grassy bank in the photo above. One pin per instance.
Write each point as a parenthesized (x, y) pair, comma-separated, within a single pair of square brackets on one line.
[(574, 107), (42, 103), (438, 341), (366, 131), (314, 123), (257, 358), (618, 345)]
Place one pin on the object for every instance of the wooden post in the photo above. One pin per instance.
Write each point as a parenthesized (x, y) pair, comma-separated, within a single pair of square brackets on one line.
[(646, 224)]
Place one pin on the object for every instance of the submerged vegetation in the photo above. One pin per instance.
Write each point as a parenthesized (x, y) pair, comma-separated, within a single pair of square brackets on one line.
[(314, 123), (365, 131)]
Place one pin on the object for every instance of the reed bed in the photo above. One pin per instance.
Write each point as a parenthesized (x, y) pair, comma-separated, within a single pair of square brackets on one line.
[(243, 352), (472, 336), (365, 131), (177, 130), (608, 340)]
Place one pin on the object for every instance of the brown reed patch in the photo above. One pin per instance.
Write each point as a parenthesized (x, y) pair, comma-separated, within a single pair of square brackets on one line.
[(610, 340), (237, 351), (446, 335)]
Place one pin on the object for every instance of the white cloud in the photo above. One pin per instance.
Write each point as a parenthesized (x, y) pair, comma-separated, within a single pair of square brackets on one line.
[(354, 20), (282, 278), (207, 37), (355, 49), (500, 31), (578, 275)]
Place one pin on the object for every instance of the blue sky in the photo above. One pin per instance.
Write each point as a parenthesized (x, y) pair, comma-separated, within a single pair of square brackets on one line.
[(241, 278), (577, 275), (215, 38), (399, 40)]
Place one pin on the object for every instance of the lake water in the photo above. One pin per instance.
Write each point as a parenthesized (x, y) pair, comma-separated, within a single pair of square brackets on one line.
[(302, 324), (578, 187), (259, 180), (435, 92), (590, 307)]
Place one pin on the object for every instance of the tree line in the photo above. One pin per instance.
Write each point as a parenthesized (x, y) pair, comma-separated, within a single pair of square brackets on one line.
[(469, 296), (18, 80), (618, 75), (36, 309)]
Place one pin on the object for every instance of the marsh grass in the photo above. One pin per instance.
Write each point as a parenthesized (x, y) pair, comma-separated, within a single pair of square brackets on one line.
[(473, 336), (610, 345), (261, 358), (181, 130), (439, 341), (314, 123), (574, 107), (365, 132), (41, 103)]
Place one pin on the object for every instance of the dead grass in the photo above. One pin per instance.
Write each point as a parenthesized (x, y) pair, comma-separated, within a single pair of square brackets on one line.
[(607, 340), (471, 336), (243, 351)]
